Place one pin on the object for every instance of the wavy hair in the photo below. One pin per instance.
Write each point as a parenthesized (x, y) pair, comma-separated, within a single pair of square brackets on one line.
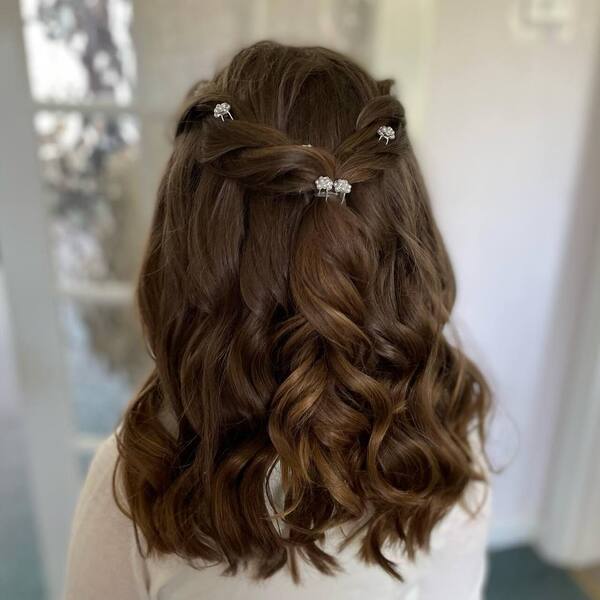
[(302, 379)]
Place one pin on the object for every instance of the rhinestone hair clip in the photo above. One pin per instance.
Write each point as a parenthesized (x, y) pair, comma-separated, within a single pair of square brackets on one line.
[(327, 187), (221, 110), (385, 132)]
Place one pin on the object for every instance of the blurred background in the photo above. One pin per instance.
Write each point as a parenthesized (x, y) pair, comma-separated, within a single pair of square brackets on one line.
[(503, 104)]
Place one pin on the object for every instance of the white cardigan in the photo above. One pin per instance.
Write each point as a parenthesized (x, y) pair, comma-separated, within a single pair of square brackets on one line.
[(104, 562)]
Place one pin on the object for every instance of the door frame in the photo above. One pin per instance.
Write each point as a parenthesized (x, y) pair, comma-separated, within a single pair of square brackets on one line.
[(568, 531), (32, 298)]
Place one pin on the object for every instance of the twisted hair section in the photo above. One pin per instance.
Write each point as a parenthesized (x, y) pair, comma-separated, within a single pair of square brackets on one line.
[(302, 378)]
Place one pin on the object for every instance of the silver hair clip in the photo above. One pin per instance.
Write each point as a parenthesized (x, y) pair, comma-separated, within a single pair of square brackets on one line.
[(326, 187), (221, 110), (387, 133), (342, 187)]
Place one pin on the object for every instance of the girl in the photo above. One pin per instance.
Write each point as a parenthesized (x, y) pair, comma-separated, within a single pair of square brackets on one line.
[(307, 430)]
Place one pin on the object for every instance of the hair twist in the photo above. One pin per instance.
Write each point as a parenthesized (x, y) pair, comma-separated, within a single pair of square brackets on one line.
[(262, 157)]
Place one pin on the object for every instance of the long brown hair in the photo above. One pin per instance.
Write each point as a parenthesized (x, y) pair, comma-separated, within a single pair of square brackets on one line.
[(298, 342)]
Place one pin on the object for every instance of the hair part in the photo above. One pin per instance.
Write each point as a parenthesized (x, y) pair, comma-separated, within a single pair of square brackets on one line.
[(298, 343)]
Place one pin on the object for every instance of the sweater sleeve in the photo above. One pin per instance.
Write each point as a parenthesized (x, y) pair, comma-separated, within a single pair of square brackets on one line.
[(457, 561), (457, 565), (103, 559)]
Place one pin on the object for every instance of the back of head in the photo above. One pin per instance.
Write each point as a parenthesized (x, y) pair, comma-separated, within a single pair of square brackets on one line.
[(298, 340)]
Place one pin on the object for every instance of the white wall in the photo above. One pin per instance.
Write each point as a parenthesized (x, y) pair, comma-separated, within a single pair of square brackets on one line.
[(503, 129), (571, 520)]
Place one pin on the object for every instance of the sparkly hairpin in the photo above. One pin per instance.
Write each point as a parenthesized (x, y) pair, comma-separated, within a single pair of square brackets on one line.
[(326, 187), (386, 133), (221, 110), (342, 187)]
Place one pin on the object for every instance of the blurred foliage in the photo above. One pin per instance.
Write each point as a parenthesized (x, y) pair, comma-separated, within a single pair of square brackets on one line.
[(87, 28), (87, 166)]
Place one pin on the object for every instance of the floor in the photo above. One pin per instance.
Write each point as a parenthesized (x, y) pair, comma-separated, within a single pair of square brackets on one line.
[(519, 574), (589, 580)]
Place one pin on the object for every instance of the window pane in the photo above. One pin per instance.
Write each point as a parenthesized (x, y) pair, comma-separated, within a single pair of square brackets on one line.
[(88, 166), (79, 51), (84, 460), (106, 358)]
